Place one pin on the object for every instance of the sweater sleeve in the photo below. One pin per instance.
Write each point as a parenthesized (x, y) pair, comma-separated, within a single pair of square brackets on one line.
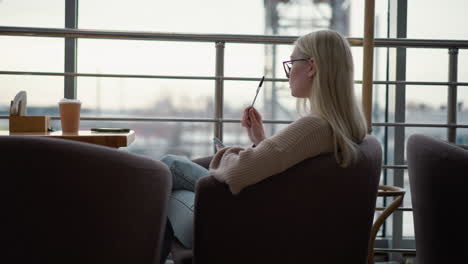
[(239, 167)]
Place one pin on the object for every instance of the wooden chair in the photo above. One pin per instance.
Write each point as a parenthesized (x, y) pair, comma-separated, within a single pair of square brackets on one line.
[(384, 191)]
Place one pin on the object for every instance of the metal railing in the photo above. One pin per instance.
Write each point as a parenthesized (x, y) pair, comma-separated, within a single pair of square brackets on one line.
[(220, 40), (248, 39)]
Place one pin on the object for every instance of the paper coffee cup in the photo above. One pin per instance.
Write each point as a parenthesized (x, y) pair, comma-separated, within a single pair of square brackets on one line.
[(70, 115)]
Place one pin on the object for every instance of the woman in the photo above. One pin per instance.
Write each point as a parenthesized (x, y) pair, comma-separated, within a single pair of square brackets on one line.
[(320, 73)]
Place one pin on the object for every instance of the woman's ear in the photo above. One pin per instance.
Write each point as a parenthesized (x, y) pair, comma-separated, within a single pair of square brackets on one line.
[(312, 68)]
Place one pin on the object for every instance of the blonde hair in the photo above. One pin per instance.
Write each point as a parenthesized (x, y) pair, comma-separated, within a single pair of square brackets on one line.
[(332, 93)]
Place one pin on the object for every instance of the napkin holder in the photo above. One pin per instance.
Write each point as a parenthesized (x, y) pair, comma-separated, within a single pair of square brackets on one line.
[(20, 121), (29, 123)]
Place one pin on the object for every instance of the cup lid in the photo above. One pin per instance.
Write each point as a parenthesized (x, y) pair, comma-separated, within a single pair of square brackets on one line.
[(69, 101)]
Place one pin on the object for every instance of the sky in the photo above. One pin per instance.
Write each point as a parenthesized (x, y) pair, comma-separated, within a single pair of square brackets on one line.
[(436, 20)]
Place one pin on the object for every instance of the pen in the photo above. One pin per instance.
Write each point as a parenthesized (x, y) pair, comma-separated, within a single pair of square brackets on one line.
[(258, 89)]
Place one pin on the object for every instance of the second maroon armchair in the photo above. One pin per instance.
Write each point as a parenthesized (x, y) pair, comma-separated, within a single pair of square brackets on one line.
[(314, 212)]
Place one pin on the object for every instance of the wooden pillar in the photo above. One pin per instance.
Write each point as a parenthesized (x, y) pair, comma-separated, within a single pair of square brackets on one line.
[(368, 62)]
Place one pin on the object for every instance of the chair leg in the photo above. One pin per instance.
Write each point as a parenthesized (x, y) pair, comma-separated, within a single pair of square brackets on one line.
[(384, 191)]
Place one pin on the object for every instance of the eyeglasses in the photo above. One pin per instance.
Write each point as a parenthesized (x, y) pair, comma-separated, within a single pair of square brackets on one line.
[(287, 65)]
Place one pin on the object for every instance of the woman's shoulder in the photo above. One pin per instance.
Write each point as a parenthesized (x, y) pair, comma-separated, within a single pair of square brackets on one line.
[(305, 131), (305, 126), (312, 121)]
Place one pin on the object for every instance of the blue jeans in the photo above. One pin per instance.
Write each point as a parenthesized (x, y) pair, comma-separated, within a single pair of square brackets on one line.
[(185, 175)]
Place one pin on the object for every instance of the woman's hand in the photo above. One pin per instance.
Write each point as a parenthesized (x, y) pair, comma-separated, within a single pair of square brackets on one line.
[(252, 121), (218, 147)]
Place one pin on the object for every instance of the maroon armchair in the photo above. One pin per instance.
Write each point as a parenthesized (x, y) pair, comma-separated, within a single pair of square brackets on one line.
[(438, 174), (72, 202), (314, 212)]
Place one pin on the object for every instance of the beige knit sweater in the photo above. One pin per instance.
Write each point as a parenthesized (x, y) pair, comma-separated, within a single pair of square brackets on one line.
[(238, 167)]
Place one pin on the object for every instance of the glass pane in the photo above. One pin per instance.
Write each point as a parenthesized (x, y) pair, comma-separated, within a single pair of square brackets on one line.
[(407, 198), (428, 65), (390, 150), (4, 124), (208, 16), (462, 136), (236, 135), (31, 54), (302, 16), (391, 102), (239, 95), (43, 93), (293, 17), (449, 14), (357, 18), (26, 13), (256, 60), (246, 60), (462, 65), (283, 53), (299, 17), (146, 57), (286, 108), (426, 104), (378, 108), (358, 95), (155, 139), (133, 97), (408, 224), (462, 96), (462, 109), (380, 63), (357, 59)]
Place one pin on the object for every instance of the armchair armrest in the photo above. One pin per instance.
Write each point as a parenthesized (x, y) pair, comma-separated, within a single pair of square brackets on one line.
[(465, 147)]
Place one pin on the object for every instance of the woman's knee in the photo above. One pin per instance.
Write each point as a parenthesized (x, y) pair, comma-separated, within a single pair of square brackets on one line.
[(169, 159), (185, 173)]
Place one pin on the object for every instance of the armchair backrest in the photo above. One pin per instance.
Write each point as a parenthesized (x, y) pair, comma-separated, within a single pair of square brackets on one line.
[(71, 202), (314, 212), (438, 174)]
